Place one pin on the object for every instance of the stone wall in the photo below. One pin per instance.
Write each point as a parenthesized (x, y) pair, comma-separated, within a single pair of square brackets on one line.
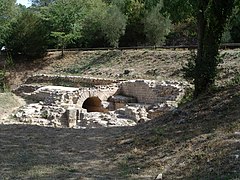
[(132, 101), (151, 92)]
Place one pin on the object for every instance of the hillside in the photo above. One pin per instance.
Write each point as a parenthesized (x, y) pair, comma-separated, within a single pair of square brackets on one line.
[(199, 140), (126, 64)]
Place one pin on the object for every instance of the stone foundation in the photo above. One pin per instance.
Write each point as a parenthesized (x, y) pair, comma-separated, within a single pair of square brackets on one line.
[(127, 102)]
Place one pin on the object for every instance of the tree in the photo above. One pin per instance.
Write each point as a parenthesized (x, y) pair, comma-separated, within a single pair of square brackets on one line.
[(93, 35), (113, 25), (156, 26), (234, 25), (28, 35), (66, 17), (41, 2), (134, 33), (211, 18), (7, 14)]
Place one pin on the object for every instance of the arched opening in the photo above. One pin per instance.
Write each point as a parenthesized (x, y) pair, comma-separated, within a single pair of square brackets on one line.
[(93, 104)]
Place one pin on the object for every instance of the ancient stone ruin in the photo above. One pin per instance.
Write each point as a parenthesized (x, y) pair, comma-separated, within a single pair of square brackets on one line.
[(91, 103)]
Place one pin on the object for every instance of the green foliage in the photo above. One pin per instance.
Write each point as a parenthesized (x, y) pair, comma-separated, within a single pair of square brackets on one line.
[(62, 39), (188, 96), (93, 35), (234, 24), (7, 14), (9, 61), (156, 26), (180, 10), (2, 80), (190, 67), (212, 18), (41, 2), (134, 35), (226, 36), (183, 33), (65, 18), (28, 35), (113, 25)]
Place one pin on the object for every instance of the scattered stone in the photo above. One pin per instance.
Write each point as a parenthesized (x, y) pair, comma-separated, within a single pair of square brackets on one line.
[(181, 121), (237, 133), (126, 141), (152, 72), (159, 176)]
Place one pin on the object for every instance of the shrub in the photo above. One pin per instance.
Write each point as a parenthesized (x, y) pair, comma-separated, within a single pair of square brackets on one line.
[(156, 26), (28, 37)]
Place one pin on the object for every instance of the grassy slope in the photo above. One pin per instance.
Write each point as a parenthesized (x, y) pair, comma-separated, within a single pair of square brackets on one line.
[(141, 64), (199, 141), (9, 103)]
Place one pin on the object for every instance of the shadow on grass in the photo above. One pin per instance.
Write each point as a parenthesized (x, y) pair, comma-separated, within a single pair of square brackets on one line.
[(195, 142), (30, 152)]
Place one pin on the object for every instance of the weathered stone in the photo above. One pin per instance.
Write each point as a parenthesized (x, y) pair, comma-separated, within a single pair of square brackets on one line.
[(71, 117), (159, 176), (135, 101), (152, 91)]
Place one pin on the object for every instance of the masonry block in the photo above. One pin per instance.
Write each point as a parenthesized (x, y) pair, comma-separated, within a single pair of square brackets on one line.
[(72, 117)]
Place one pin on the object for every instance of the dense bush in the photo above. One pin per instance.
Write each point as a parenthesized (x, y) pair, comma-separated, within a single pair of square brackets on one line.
[(28, 35), (156, 26), (114, 25)]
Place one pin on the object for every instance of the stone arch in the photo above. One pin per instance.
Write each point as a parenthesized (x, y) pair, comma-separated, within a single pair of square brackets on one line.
[(93, 104)]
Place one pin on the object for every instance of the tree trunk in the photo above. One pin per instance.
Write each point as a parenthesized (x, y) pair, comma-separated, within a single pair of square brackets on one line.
[(62, 51), (200, 81), (211, 19)]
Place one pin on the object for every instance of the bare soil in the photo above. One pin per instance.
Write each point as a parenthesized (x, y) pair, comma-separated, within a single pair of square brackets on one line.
[(200, 140)]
